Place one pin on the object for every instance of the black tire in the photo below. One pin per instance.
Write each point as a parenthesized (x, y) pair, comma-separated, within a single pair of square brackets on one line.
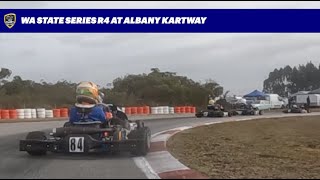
[(140, 124), (122, 115), (67, 124), (118, 121), (143, 146), (199, 115), (229, 114), (260, 112), (36, 135)]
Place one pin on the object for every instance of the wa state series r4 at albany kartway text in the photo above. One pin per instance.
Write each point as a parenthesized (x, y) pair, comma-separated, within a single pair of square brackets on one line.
[(113, 20)]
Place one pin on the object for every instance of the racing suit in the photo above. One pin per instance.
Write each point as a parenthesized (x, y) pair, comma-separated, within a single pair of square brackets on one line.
[(96, 114)]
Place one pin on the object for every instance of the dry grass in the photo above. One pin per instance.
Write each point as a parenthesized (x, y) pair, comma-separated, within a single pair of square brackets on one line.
[(267, 148)]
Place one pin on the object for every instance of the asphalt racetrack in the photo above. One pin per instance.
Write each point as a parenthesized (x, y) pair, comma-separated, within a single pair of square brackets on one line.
[(16, 164)]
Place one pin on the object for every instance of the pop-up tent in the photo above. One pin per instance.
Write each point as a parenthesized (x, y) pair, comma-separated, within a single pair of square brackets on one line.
[(255, 93), (317, 91), (299, 93)]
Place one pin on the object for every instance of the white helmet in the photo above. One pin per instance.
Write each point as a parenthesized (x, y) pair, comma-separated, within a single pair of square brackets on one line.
[(87, 94)]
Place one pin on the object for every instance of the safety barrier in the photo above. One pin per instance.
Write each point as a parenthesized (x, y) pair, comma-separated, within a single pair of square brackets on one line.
[(64, 112), (41, 113), (56, 113), (13, 114), (5, 114), (49, 113)]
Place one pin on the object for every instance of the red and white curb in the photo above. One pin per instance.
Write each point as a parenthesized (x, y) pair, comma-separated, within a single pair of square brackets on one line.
[(160, 164)]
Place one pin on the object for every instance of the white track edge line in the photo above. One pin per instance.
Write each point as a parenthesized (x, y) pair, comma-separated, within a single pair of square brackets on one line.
[(145, 167)]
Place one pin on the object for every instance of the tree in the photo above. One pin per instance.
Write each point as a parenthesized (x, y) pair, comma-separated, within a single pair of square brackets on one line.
[(155, 88), (289, 80), (5, 73)]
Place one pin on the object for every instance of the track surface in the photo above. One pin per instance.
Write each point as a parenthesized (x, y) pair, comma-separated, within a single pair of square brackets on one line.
[(16, 164)]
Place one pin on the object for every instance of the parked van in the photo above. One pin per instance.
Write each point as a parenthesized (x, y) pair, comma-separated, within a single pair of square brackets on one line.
[(276, 101)]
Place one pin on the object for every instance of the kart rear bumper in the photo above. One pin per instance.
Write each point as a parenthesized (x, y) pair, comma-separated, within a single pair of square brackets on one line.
[(90, 145)]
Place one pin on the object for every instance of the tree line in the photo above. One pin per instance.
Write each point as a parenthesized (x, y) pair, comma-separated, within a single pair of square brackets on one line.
[(154, 89), (289, 80)]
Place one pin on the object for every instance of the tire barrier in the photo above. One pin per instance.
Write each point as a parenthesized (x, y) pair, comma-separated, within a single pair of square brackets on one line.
[(154, 110), (43, 113), (49, 113), (27, 114), (177, 110), (56, 113), (171, 110), (160, 110), (128, 110), (146, 110), (165, 109), (134, 110), (139, 110), (20, 113), (64, 112), (33, 113), (13, 114), (5, 114)]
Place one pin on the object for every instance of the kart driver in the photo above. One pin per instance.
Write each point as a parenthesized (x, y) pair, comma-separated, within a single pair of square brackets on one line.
[(211, 103), (86, 107)]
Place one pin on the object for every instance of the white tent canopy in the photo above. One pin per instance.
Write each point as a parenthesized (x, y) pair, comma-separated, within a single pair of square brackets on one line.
[(317, 91)]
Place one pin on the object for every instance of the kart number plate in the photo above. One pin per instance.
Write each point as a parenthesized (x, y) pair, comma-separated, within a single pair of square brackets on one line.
[(205, 113), (76, 144)]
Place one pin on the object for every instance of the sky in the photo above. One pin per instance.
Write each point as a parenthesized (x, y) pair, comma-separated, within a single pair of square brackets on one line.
[(238, 62)]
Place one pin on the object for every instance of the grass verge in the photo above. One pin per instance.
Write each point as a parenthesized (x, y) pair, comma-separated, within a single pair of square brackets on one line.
[(266, 148)]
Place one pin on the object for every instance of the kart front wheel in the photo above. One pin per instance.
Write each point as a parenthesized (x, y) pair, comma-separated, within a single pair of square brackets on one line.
[(36, 135)]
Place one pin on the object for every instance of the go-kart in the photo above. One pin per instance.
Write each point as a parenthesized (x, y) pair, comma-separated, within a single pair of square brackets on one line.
[(119, 134), (244, 109), (213, 111), (296, 110)]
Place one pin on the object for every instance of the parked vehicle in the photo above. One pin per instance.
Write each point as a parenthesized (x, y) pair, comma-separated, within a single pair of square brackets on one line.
[(275, 101), (301, 99)]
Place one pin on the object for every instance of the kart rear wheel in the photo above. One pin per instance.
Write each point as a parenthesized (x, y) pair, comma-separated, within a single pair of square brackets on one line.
[(260, 112), (143, 146), (199, 115), (118, 121), (36, 135), (67, 124), (220, 114), (122, 115)]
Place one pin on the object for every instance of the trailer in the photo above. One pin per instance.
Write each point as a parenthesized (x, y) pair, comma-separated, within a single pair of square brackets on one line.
[(301, 99)]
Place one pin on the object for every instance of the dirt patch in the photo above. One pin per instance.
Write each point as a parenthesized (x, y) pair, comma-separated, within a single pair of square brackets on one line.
[(266, 148)]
